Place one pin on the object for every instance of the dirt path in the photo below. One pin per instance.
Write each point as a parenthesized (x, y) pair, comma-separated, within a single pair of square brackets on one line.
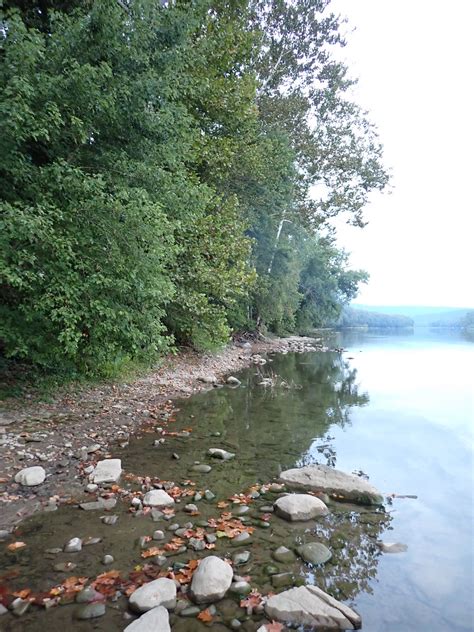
[(83, 425)]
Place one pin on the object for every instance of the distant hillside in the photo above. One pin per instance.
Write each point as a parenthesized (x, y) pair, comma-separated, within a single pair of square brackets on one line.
[(351, 317), (423, 316)]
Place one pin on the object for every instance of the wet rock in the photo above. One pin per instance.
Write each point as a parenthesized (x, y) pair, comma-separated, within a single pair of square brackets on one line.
[(241, 558), (106, 504), (159, 560), (393, 547), (279, 580), (3, 610), (321, 478), (240, 588), (73, 546), (175, 456), (158, 535), (173, 527), (211, 580), (156, 515), (201, 468), (241, 510), (158, 498), (136, 502), (31, 476), (197, 497), (64, 567), (191, 508), (89, 595), (107, 471), (208, 495), (211, 538), (242, 538), (91, 488), (314, 553), (235, 624), (190, 611), (300, 507), (233, 381), (4, 535), (109, 520), (159, 592), (283, 555), (308, 605), (19, 606), (155, 620), (91, 611), (218, 453), (53, 551), (196, 545), (91, 541), (108, 559)]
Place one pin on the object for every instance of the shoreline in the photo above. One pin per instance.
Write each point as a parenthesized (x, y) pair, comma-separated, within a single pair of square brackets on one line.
[(56, 434)]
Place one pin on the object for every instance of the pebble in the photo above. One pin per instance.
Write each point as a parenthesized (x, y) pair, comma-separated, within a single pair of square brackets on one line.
[(208, 495), (158, 535), (197, 497), (90, 541), (190, 611), (91, 611), (241, 510), (156, 515), (173, 527), (73, 546), (242, 538), (110, 520), (240, 588), (210, 538), (108, 559), (19, 606), (4, 535), (31, 476), (196, 545), (191, 508), (3, 610), (88, 595), (283, 555), (202, 468), (235, 624), (282, 579), (241, 558), (91, 488), (54, 551), (136, 502)]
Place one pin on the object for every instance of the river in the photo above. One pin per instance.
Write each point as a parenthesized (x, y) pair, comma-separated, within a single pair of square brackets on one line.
[(397, 408)]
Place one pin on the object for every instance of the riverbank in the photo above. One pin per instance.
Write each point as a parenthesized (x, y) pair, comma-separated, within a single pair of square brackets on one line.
[(85, 424)]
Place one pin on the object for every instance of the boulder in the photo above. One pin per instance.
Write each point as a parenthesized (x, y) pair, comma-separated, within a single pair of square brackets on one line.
[(158, 498), (314, 553), (321, 478), (308, 605), (155, 620), (211, 580), (107, 471), (300, 507), (31, 476), (159, 592)]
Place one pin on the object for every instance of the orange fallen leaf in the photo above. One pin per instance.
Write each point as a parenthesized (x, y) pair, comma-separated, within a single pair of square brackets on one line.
[(154, 550), (23, 594), (205, 616), (14, 546)]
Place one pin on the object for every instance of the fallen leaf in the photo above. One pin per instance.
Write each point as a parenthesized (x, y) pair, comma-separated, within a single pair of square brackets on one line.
[(154, 550), (205, 616), (14, 546)]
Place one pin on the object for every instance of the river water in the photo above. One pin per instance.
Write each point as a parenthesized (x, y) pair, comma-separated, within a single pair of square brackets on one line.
[(397, 408)]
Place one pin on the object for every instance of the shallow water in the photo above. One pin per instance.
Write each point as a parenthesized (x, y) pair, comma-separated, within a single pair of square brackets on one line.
[(398, 408)]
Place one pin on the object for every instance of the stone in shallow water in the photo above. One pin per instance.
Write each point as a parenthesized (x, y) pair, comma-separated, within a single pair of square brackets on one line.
[(218, 453), (282, 579), (91, 611), (159, 592), (211, 580), (31, 476), (308, 605), (73, 546), (107, 471), (321, 478), (201, 468), (155, 620), (241, 558), (314, 553), (88, 595), (300, 507), (283, 555), (158, 498)]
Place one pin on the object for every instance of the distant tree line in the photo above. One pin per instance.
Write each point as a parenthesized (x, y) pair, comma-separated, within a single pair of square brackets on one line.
[(361, 318), (168, 175)]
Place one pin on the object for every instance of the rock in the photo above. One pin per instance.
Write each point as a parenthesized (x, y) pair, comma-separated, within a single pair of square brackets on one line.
[(308, 605), (31, 476), (218, 453), (102, 503), (158, 498), (136, 502), (190, 611), (208, 495), (283, 555), (196, 545), (158, 535), (73, 546), (211, 538), (4, 535), (64, 567), (241, 510), (282, 579), (110, 520), (91, 611), (321, 478), (300, 507), (393, 547), (191, 508), (211, 580), (155, 620), (208, 379), (89, 541), (107, 471), (19, 606), (91, 488), (235, 624), (233, 381), (108, 559), (314, 553), (240, 588), (88, 595), (173, 527), (242, 538), (159, 592), (3, 610), (156, 515), (202, 468), (241, 558)]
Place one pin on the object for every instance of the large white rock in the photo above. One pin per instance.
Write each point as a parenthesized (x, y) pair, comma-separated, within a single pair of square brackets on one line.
[(107, 471), (211, 580), (158, 498), (308, 605), (155, 620), (159, 592), (300, 507), (31, 476), (321, 478)]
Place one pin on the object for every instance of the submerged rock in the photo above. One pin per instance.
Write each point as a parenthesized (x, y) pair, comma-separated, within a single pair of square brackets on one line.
[(155, 620), (308, 605), (300, 507), (159, 592), (321, 478), (283, 555), (31, 476), (73, 546), (314, 553), (107, 471), (211, 580), (91, 611), (202, 468), (218, 453)]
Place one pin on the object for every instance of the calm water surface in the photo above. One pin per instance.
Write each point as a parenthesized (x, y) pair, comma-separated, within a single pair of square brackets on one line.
[(398, 408)]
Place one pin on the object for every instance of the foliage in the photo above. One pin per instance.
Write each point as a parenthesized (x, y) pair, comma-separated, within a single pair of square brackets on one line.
[(360, 318)]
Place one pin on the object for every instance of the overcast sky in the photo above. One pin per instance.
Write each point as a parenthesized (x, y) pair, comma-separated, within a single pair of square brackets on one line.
[(414, 60)]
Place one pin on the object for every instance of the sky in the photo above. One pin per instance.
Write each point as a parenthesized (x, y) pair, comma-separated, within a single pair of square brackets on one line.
[(413, 59)]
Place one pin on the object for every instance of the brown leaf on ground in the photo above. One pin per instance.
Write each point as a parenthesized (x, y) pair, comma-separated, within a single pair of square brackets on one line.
[(154, 550), (15, 546), (205, 616)]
